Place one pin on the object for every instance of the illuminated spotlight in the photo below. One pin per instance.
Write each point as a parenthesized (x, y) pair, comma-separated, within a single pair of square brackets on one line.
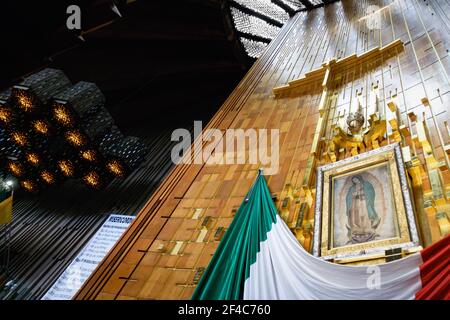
[(19, 138), (28, 185), (16, 168), (32, 158), (88, 155), (92, 179), (48, 177), (5, 114), (115, 168), (62, 114), (75, 138), (66, 167), (24, 100), (41, 126), (9, 184)]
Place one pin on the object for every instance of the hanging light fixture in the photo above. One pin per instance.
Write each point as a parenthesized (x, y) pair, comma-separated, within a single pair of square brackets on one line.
[(66, 126)]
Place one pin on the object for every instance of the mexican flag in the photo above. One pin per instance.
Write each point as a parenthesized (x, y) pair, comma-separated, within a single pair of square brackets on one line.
[(259, 258)]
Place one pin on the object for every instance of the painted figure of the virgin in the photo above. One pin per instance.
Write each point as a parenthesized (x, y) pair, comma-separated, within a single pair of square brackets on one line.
[(363, 219)]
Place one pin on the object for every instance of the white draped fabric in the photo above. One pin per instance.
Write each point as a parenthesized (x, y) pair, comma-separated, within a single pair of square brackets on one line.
[(284, 270)]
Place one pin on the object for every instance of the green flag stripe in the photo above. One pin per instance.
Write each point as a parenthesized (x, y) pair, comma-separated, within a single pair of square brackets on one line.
[(230, 266)]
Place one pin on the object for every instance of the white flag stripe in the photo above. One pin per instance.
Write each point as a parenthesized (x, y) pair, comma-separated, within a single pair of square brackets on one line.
[(284, 270)]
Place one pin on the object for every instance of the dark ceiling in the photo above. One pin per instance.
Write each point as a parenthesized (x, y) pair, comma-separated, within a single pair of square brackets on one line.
[(163, 63)]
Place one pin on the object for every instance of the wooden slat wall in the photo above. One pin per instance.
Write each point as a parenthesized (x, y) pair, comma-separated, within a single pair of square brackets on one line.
[(141, 265)]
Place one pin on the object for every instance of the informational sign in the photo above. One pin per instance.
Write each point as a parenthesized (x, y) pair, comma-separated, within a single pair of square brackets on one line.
[(89, 257)]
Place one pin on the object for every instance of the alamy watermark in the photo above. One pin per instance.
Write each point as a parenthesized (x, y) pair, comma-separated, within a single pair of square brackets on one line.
[(374, 280), (73, 21), (230, 146)]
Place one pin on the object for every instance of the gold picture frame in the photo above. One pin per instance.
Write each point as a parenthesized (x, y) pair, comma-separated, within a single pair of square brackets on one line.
[(363, 206)]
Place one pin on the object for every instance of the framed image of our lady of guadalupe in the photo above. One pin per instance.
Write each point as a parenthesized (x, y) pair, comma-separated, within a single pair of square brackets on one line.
[(363, 206)]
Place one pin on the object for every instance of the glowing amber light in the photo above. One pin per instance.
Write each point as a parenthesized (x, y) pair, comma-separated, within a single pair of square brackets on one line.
[(62, 115), (66, 167), (47, 177), (115, 167), (75, 138), (20, 138), (40, 126), (25, 101), (28, 185), (15, 168), (5, 115), (32, 158), (92, 179), (88, 155)]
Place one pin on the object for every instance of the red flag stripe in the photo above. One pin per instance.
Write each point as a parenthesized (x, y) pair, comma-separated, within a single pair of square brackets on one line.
[(438, 288), (435, 271), (434, 265), (430, 251)]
